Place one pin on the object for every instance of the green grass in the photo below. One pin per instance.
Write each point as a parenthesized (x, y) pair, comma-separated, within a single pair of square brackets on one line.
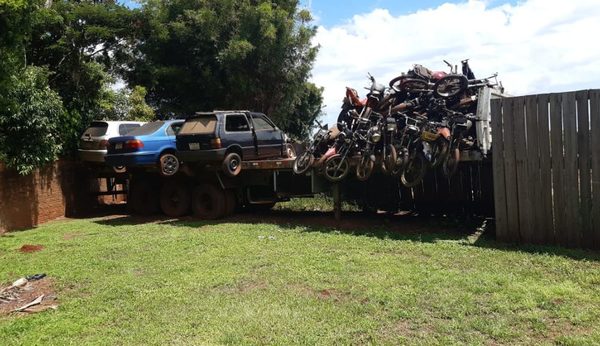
[(187, 282)]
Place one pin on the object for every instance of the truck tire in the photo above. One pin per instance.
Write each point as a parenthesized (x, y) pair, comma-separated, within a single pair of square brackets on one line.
[(174, 198), (230, 202), (232, 164), (208, 202), (143, 197)]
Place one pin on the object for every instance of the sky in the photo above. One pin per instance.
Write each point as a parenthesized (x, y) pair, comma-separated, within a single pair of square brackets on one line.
[(536, 46)]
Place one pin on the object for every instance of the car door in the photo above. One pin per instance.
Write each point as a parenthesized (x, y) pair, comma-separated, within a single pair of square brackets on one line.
[(268, 137), (238, 131)]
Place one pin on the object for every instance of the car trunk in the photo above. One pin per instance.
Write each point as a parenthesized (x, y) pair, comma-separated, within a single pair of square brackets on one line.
[(93, 136), (197, 133)]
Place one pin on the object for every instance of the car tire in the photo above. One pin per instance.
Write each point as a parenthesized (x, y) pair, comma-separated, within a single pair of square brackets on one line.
[(289, 151), (175, 198), (169, 164), (232, 164), (209, 202), (143, 197)]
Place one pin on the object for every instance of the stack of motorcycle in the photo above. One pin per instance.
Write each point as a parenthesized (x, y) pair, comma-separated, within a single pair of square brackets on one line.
[(422, 120)]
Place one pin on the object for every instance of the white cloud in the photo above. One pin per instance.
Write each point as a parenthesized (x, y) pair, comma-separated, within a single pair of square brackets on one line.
[(536, 46)]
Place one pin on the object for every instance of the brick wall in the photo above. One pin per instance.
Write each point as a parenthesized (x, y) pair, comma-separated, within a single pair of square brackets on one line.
[(58, 190)]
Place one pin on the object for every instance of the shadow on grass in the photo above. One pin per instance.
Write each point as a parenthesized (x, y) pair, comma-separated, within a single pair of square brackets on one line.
[(471, 232)]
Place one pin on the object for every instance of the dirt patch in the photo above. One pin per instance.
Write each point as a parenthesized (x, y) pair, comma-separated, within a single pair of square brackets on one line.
[(14, 298), (28, 248)]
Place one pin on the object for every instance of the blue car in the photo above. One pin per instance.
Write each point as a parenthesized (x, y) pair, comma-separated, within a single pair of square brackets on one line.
[(152, 144)]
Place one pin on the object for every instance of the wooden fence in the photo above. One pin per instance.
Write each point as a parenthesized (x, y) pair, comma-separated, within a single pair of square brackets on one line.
[(546, 168)]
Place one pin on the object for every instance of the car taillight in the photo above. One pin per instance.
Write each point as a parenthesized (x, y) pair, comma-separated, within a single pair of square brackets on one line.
[(103, 144), (215, 143), (134, 144)]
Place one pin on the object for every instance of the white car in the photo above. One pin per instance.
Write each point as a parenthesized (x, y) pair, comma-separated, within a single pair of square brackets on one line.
[(93, 143)]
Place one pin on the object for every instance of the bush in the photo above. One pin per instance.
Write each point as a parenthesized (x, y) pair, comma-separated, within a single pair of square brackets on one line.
[(30, 121)]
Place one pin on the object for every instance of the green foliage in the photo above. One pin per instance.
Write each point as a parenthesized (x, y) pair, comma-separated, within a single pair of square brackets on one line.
[(229, 54), (125, 104), (30, 124)]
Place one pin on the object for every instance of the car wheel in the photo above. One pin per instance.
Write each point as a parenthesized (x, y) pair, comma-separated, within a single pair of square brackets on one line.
[(169, 164), (174, 198), (143, 197), (289, 151), (232, 164), (119, 169), (209, 202)]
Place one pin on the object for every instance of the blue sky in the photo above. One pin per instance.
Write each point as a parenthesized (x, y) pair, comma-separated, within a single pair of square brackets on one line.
[(335, 12)]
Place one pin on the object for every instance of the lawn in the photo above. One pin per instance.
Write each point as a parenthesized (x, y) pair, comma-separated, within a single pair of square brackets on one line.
[(262, 280)]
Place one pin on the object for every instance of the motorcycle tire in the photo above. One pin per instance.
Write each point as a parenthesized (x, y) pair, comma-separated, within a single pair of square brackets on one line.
[(415, 170), (450, 165), (388, 164), (336, 168), (413, 84), (303, 162), (450, 86), (439, 152), (364, 168), (395, 81)]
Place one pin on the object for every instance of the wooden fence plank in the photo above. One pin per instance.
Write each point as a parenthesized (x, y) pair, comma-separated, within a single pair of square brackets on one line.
[(523, 184), (510, 170), (545, 169), (533, 169), (571, 186), (547, 224), (556, 137), (500, 207), (595, 125), (585, 179)]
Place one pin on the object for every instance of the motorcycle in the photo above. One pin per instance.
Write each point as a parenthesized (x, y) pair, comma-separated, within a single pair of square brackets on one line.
[(316, 148), (456, 84)]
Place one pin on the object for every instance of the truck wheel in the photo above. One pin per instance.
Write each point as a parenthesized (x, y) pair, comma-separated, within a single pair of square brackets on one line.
[(168, 164), (230, 202), (208, 202), (232, 164), (174, 198), (143, 198)]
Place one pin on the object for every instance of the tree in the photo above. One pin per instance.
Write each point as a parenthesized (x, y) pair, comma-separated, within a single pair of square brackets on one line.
[(125, 104), (202, 55), (30, 124)]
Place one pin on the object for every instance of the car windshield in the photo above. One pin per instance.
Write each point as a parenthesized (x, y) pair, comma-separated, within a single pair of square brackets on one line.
[(147, 129), (204, 124), (96, 129)]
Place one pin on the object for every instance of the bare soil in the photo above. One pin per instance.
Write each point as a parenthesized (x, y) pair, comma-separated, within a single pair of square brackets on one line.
[(27, 294)]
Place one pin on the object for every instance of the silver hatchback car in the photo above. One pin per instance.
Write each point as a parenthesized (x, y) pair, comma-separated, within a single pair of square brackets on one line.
[(93, 143)]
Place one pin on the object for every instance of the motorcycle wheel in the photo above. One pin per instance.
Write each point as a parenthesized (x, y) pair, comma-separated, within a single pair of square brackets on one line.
[(336, 168), (439, 152), (303, 162), (450, 86), (450, 165), (364, 168), (388, 164), (414, 171), (413, 84)]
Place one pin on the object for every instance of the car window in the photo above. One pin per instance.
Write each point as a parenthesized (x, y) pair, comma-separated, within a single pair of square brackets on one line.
[(174, 129), (126, 128), (146, 129), (96, 129), (236, 123), (261, 123), (204, 124)]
